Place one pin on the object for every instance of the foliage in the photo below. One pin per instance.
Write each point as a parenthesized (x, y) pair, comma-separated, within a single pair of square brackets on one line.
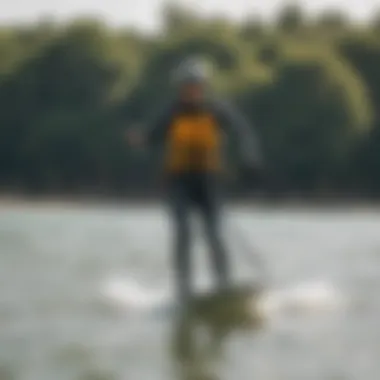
[(310, 88)]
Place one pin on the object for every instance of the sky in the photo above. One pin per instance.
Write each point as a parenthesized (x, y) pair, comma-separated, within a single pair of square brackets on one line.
[(144, 14)]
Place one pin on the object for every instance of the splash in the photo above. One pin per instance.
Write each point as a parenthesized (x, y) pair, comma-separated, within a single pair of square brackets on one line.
[(305, 298), (300, 299), (129, 294)]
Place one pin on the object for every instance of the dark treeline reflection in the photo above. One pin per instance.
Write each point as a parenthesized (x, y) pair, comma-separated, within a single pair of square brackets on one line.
[(200, 337)]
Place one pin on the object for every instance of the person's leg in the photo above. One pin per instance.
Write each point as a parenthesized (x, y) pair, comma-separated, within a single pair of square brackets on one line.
[(209, 205), (180, 211)]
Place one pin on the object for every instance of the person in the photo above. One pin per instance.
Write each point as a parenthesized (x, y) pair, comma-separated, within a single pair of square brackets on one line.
[(191, 130)]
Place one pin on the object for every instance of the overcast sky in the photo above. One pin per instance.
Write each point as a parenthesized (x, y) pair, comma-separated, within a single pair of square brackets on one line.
[(144, 14)]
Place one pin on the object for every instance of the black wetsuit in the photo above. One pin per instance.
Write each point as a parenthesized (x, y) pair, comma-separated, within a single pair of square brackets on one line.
[(199, 190)]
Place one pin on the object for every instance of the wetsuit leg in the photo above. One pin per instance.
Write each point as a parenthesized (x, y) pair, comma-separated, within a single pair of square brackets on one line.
[(180, 208), (209, 205)]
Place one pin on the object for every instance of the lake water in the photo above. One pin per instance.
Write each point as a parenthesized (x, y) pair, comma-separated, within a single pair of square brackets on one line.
[(81, 289)]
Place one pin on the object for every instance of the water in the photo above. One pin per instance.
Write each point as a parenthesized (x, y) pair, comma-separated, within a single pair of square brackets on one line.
[(80, 291)]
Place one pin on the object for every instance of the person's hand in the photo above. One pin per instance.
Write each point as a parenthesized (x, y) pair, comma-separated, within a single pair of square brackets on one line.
[(135, 138), (252, 170)]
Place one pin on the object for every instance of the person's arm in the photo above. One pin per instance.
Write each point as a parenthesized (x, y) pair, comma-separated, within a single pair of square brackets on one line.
[(237, 127), (158, 126), (154, 132)]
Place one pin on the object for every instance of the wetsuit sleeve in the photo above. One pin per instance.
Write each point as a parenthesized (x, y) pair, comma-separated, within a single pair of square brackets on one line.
[(158, 125), (241, 131)]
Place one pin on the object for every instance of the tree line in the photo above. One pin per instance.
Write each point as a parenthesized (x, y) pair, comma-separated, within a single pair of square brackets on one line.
[(311, 88)]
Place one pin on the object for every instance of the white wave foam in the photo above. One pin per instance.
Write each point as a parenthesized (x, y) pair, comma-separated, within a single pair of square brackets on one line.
[(130, 294), (309, 297), (300, 299)]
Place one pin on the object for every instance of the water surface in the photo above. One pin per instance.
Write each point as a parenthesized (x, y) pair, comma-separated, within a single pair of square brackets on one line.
[(56, 264)]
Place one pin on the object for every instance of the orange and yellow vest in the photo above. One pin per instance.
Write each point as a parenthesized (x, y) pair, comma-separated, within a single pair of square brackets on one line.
[(193, 143)]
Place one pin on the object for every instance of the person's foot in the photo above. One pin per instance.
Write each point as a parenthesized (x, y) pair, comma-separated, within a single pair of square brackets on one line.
[(183, 298), (182, 306), (223, 284)]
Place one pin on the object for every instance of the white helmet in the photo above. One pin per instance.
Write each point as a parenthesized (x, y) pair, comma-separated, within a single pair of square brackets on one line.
[(192, 70)]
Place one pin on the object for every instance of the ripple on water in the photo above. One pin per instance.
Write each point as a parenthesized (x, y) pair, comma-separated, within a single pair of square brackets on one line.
[(53, 326)]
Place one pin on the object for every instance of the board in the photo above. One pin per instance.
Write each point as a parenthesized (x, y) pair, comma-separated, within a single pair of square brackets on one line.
[(233, 293), (229, 306)]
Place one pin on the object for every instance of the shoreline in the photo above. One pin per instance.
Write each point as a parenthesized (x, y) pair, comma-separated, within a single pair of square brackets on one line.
[(284, 202)]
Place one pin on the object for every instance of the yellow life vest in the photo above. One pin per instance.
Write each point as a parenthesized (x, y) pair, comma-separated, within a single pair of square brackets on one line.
[(193, 143)]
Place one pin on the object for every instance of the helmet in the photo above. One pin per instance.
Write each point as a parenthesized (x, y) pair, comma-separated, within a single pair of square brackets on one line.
[(191, 70)]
